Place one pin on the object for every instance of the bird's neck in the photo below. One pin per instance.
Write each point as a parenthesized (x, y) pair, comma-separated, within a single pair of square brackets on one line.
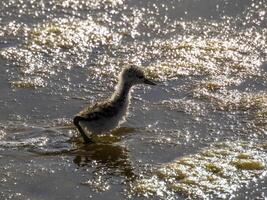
[(122, 91)]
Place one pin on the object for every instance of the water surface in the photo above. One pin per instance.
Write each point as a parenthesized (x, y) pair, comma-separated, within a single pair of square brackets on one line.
[(209, 58)]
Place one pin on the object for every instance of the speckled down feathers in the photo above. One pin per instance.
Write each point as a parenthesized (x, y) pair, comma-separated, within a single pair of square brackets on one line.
[(132, 69), (103, 117), (100, 110)]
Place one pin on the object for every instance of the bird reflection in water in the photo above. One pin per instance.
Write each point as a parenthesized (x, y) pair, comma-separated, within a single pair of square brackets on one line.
[(106, 152)]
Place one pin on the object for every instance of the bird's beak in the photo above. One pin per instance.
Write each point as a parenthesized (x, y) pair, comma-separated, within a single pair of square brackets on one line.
[(149, 82)]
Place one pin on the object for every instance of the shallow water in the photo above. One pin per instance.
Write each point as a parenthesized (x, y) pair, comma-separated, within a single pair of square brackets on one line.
[(209, 58)]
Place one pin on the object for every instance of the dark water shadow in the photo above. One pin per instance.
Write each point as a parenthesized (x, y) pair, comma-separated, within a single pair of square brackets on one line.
[(256, 83), (106, 151), (111, 156)]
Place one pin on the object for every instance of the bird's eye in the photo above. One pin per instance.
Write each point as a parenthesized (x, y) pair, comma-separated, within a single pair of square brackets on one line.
[(140, 76)]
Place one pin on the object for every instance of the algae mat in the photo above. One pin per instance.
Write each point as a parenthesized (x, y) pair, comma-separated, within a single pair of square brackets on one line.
[(218, 171), (198, 134)]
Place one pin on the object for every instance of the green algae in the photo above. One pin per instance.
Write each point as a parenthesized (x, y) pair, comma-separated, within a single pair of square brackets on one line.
[(233, 59), (214, 168), (230, 100), (28, 83), (186, 59), (208, 57), (66, 39), (244, 156), (219, 170), (263, 145), (150, 187), (213, 86), (54, 45), (68, 33), (263, 113), (261, 116), (80, 4), (248, 164)]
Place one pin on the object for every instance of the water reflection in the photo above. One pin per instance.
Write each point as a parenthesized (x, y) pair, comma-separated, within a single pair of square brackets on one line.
[(112, 156), (58, 54), (106, 152)]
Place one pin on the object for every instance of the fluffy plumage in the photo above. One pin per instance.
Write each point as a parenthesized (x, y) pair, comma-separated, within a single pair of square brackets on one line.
[(108, 115)]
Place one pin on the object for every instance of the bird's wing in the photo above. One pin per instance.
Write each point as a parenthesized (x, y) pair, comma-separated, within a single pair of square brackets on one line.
[(99, 111)]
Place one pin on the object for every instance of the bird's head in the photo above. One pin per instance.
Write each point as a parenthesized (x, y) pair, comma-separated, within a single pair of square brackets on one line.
[(134, 75)]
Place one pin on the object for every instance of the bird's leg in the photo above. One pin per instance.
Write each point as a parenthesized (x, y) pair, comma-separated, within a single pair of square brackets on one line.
[(76, 121)]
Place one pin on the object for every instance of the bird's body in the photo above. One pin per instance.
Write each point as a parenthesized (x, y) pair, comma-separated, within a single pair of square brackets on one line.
[(103, 117)]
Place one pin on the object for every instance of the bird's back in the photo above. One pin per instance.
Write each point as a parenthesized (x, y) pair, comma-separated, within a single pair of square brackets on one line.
[(103, 117)]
